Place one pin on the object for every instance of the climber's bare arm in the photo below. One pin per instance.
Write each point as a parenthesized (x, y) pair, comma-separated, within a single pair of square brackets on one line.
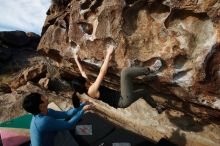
[(76, 57), (94, 88)]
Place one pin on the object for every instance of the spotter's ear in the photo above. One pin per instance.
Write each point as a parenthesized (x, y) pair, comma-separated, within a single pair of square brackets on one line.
[(41, 107)]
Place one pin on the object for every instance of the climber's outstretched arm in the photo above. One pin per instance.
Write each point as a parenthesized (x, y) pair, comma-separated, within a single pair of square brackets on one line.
[(76, 57), (94, 88)]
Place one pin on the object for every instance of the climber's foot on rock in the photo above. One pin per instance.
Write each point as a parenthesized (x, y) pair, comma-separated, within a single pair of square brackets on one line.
[(156, 66), (160, 108)]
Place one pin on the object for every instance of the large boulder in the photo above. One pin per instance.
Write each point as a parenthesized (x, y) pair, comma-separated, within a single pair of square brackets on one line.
[(185, 35)]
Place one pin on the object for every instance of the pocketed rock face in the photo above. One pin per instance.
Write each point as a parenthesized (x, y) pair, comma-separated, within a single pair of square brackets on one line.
[(185, 34)]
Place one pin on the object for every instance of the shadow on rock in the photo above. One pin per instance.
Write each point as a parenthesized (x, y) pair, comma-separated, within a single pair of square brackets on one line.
[(185, 122), (180, 138)]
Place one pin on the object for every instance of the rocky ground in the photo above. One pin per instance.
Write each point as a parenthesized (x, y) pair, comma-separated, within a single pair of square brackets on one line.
[(21, 69)]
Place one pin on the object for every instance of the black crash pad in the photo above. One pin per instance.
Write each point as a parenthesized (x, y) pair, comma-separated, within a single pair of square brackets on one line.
[(104, 133)]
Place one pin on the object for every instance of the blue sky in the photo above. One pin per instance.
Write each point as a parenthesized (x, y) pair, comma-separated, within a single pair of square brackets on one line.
[(25, 15)]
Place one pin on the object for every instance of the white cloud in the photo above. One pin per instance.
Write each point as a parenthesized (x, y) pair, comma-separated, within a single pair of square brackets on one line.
[(26, 15)]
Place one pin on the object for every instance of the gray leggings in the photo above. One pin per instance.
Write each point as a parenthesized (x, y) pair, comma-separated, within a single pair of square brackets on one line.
[(129, 95)]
